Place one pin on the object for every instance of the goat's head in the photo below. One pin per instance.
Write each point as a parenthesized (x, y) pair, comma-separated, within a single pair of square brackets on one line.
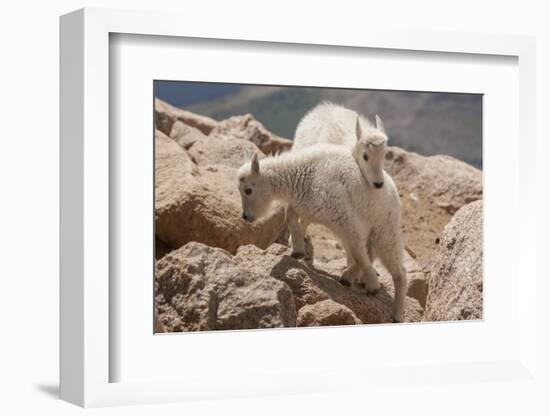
[(253, 187), (370, 151)]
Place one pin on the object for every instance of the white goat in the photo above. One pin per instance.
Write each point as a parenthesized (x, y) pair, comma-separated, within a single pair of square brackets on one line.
[(324, 184)]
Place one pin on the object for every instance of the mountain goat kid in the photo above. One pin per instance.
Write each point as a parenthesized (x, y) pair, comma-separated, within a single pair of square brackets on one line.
[(323, 184)]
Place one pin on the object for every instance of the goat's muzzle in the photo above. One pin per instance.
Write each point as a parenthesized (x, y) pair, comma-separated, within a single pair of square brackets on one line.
[(248, 218)]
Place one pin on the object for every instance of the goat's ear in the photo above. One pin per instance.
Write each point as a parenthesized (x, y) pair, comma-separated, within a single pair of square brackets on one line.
[(379, 124), (358, 130), (255, 165)]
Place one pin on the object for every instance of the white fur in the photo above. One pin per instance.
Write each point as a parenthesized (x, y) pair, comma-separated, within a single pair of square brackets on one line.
[(328, 123), (323, 184), (334, 124)]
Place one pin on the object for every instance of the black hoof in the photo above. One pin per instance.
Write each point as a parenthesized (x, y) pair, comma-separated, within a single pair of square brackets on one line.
[(373, 292), (395, 321), (298, 256), (345, 283)]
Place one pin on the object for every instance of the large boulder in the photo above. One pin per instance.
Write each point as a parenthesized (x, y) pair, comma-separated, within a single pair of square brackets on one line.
[(223, 151), (248, 128), (166, 116), (456, 281), (274, 262), (432, 189), (184, 135), (203, 288), (196, 197)]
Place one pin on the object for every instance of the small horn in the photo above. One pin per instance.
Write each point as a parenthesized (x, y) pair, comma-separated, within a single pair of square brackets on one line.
[(379, 124), (358, 129), (255, 165)]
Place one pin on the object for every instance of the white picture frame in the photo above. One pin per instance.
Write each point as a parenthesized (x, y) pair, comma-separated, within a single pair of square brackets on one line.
[(85, 354)]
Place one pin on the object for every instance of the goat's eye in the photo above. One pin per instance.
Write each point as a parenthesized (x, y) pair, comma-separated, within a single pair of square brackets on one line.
[(248, 191), (365, 156)]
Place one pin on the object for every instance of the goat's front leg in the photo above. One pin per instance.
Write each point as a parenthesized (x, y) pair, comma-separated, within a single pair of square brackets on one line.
[(391, 254), (351, 275), (297, 236), (361, 271)]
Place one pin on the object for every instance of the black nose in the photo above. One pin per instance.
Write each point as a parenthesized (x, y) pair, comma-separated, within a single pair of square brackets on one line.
[(248, 218), (379, 184)]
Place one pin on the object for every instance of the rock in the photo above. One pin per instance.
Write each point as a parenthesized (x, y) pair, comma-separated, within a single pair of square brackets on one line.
[(171, 162), (166, 115), (432, 189), (274, 262), (247, 128), (417, 281), (200, 201), (204, 288), (456, 280), (185, 135), (326, 312), (224, 151), (310, 285)]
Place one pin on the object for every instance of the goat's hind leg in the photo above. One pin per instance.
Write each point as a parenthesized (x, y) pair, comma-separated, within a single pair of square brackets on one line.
[(308, 243), (297, 237)]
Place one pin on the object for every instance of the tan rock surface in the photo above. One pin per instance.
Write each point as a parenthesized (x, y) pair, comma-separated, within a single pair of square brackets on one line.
[(326, 313), (247, 128), (184, 135), (204, 288), (166, 115), (456, 281)]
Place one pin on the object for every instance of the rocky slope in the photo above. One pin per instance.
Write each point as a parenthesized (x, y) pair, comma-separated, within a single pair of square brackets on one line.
[(214, 271)]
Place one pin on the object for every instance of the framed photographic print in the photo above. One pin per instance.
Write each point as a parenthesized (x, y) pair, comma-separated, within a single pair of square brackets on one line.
[(285, 213)]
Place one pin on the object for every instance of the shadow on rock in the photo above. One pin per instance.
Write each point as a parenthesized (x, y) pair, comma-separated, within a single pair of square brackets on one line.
[(369, 309)]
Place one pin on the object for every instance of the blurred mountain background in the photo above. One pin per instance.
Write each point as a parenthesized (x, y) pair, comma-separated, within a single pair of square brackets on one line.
[(424, 122)]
